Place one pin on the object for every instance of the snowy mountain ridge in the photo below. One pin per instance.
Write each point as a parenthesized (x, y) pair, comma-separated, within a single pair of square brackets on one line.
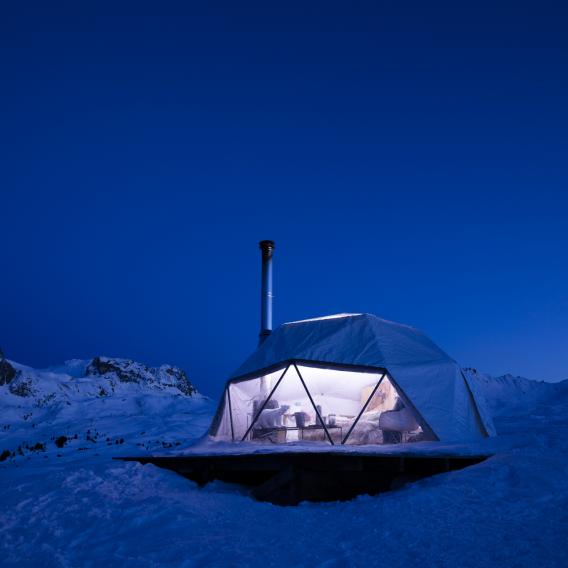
[(507, 395), (101, 376), (102, 399)]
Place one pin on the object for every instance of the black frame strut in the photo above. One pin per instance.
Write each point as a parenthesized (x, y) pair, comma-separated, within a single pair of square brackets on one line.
[(263, 405), (230, 412), (363, 409), (313, 404)]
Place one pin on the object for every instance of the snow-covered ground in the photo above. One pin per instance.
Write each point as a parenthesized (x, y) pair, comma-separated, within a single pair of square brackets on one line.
[(73, 506)]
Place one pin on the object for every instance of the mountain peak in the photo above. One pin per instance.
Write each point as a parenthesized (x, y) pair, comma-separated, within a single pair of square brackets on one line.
[(129, 371)]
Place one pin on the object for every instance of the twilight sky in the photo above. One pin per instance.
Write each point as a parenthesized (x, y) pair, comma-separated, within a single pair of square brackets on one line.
[(410, 159)]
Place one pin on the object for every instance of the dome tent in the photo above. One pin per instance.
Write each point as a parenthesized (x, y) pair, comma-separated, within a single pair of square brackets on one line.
[(349, 379)]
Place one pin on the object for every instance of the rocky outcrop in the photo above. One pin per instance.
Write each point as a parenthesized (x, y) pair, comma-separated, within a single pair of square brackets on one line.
[(23, 386), (101, 377), (128, 371), (7, 372), (124, 370)]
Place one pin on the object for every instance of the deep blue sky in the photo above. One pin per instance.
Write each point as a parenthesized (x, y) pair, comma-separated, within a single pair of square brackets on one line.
[(409, 159)]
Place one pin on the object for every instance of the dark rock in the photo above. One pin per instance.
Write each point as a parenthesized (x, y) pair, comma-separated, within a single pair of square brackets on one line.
[(7, 372), (22, 387), (128, 371), (99, 366), (183, 383), (61, 441)]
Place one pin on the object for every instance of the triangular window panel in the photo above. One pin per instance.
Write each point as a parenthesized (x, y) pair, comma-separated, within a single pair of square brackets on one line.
[(281, 410), (248, 399), (303, 403), (340, 396), (385, 417), (276, 408)]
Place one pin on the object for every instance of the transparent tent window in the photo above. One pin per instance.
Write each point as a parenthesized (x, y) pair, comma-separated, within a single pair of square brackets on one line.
[(300, 403)]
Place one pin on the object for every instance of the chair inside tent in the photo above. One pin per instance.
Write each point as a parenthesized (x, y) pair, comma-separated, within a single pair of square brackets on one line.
[(306, 402)]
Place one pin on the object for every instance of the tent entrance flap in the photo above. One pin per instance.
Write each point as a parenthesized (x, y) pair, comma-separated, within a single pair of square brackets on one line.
[(304, 403)]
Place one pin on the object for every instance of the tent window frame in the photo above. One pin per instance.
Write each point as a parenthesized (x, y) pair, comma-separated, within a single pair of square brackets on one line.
[(324, 365), (230, 413), (314, 405), (307, 363), (263, 405), (363, 409)]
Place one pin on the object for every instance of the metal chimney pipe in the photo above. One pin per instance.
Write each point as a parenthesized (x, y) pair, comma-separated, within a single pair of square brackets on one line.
[(267, 249)]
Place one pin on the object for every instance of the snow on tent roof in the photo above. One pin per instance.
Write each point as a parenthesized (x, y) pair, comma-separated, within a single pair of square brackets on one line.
[(429, 378), (333, 316)]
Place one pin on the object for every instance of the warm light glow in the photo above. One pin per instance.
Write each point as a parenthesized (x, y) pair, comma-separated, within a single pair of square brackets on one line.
[(354, 407)]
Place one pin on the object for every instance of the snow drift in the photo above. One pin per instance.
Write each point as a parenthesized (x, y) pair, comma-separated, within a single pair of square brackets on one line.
[(72, 505)]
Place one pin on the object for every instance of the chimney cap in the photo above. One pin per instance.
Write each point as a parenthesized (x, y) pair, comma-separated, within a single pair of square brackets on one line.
[(266, 245)]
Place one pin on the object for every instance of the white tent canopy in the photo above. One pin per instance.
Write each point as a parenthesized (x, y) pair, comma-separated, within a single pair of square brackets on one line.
[(349, 378)]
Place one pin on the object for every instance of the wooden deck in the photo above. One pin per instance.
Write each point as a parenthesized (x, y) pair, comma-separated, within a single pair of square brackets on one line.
[(288, 478)]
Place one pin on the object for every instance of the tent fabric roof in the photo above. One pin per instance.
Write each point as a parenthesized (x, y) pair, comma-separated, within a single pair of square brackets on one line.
[(429, 378), (350, 339)]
